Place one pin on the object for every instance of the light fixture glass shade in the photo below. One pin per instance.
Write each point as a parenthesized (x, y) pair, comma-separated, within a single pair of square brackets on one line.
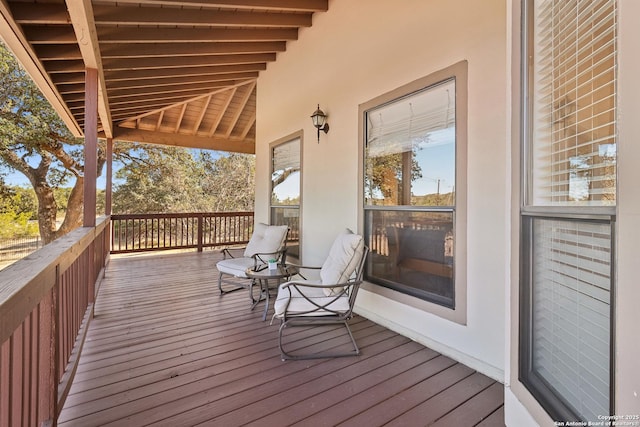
[(319, 118)]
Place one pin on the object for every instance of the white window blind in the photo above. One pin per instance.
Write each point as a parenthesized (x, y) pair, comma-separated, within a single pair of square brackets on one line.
[(417, 122), (574, 96), (571, 311)]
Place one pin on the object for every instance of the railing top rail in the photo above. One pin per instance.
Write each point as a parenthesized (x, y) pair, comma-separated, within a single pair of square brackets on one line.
[(24, 283), (180, 215)]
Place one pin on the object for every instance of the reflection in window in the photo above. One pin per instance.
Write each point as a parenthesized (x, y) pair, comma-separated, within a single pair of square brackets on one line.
[(410, 150), (567, 220), (285, 190), (413, 253), (409, 186)]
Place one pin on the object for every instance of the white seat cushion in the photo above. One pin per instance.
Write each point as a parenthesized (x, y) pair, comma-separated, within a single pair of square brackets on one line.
[(343, 259), (300, 305), (235, 266)]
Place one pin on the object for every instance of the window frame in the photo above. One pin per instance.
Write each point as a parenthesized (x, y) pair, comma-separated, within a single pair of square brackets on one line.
[(458, 72), (553, 403), (284, 140)]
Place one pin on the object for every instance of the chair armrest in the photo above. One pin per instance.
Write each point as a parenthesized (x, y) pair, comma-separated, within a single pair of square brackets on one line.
[(229, 252), (279, 255), (305, 267), (298, 284)]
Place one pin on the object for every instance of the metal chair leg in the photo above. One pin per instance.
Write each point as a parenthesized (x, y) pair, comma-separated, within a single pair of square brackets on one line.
[(288, 356)]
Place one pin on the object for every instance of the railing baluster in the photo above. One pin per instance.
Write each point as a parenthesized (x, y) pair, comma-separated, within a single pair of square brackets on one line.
[(181, 231)]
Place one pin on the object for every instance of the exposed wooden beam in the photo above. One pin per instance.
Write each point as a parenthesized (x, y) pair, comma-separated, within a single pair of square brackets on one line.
[(248, 127), (90, 147), (73, 66), (292, 5), (125, 111), (81, 14), (180, 117), (136, 104), (203, 111), (114, 64), (66, 89), (43, 34), (182, 72), (218, 119), (160, 117), (40, 13), (197, 89), (67, 78), (58, 52), (119, 15), (195, 98), (240, 109), (182, 80), (181, 140), (112, 34), (154, 99), (142, 50)]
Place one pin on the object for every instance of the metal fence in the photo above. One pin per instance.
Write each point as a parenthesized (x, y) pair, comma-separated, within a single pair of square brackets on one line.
[(19, 247)]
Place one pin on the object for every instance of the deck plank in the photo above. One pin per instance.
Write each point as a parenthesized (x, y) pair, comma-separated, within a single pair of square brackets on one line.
[(166, 349)]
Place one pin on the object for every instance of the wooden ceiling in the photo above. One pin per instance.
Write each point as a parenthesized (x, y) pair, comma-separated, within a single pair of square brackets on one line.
[(176, 72)]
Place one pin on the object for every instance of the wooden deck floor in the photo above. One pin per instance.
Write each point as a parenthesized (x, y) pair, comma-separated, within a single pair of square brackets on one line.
[(165, 349)]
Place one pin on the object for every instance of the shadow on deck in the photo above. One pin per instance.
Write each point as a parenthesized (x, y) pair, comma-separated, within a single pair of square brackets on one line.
[(165, 348)]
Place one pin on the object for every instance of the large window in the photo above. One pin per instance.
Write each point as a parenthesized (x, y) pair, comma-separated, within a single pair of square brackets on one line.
[(567, 265), (411, 186), (285, 189)]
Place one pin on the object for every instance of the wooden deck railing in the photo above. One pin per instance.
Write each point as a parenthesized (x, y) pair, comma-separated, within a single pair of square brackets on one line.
[(154, 232), (46, 302)]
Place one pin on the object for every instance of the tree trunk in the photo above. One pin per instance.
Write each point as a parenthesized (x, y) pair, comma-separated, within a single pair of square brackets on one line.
[(73, 217), (47, 209)]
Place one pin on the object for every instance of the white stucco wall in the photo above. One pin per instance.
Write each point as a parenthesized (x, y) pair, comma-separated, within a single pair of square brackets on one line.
[(361, 49)]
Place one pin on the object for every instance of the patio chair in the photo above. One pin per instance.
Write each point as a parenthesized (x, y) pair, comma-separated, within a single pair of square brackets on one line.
[(267, 242), (326, 301)]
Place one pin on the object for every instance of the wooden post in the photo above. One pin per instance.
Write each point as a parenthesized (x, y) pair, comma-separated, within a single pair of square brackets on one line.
[(200, 231), (109, 185), (90, 145), (407, 163)]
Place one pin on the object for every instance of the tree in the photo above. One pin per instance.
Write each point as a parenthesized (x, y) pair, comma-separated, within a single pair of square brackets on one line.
[(169, 179), (385, 175), (36, 142), (230, 181)]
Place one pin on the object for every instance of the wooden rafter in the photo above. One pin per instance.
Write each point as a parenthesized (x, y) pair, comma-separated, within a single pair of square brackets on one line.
[(243, 103), (231, 93)]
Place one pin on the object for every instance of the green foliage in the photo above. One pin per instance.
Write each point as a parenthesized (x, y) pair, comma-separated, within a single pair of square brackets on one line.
[(169, 179), (14, 225), (29, 127), (385, 175), (229, 182), (20, 201), (36, 142)]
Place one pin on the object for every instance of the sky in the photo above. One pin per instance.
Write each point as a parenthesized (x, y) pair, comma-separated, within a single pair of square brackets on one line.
[(14, 178)]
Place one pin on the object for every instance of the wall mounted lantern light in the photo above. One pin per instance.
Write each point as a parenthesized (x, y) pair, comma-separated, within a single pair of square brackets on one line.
[(319, 119)]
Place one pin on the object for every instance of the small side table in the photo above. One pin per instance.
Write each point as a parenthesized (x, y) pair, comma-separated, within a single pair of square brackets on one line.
[(262, 275)]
